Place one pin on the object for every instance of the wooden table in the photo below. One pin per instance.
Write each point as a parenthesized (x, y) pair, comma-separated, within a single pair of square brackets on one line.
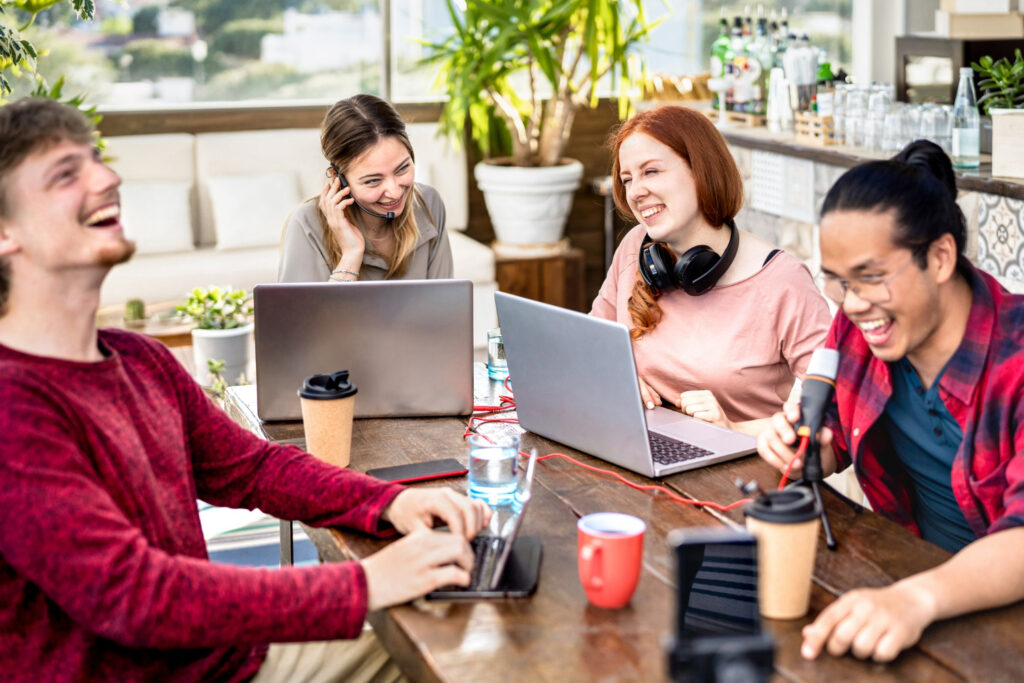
[(557, 635), (171, 331)]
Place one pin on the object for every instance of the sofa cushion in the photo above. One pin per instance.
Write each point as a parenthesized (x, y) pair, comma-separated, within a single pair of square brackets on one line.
[(250, 210), (157, 215), (441, 166), (294, 150)]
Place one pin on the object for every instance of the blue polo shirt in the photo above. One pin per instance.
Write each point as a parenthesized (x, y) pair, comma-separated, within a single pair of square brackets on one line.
[(925, 438)]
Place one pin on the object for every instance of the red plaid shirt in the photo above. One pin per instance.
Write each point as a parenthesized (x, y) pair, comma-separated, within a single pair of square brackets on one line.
[(982, 387)]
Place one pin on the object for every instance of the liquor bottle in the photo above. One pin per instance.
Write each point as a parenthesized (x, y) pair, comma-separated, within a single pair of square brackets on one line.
[(966, 122), (729, 61), (718, 50), (760, 64)]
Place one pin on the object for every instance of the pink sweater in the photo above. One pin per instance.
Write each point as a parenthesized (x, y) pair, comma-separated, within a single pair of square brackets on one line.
[(744, 341), (103, 569)]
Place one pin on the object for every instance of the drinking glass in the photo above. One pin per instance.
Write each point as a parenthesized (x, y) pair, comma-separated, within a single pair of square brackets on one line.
[(497, 364), (494, 468)]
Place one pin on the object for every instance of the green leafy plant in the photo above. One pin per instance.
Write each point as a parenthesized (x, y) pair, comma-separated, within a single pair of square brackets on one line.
[(18, 54), (1002, 82), (531, 64), (218, 385), (217, 309)]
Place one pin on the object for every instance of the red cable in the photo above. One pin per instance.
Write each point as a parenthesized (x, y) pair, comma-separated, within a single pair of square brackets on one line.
[(645, 487), (508, 403), (804, 440)]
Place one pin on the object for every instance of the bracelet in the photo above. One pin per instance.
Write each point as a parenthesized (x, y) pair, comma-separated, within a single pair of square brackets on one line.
[(349, 272), (332, 278)]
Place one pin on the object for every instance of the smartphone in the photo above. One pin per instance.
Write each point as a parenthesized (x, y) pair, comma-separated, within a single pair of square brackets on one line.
[(718, 626), (420, 471)]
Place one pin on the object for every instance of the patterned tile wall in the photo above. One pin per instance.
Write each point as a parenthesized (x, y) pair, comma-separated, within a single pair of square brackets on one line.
[(995, 225), (1000, 241)]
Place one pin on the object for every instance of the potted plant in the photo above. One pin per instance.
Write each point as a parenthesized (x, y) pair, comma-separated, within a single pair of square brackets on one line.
[(223, 319), (1002, 86), (518, 71)]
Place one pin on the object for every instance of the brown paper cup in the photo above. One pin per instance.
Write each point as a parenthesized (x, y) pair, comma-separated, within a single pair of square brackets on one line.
[(785, 557), (328, 427)]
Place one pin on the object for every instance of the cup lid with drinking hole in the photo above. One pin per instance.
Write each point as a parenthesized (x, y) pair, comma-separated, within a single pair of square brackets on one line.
[(788, 506), (327, 387)]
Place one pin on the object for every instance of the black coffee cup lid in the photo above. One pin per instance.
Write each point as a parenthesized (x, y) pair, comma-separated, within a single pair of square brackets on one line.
[(327, 387), (788, 506)]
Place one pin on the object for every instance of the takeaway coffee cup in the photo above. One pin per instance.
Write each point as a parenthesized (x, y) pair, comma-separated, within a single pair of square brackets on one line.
[(610, 549), (786, 526), (327, 404)]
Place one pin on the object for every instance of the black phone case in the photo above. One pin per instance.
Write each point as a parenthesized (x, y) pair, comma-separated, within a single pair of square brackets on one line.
[(420, 471)]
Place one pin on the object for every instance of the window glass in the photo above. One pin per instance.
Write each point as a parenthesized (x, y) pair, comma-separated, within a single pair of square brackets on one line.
[(160, 52)]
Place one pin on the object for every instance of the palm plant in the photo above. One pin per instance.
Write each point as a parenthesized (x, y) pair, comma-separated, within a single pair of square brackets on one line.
[(559, 50)]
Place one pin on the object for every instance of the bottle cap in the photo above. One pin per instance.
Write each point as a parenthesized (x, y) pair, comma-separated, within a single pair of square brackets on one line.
[(788, 506), (327, 387)]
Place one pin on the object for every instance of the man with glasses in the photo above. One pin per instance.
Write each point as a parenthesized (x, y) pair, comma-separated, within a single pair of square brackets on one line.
[(929, 404)]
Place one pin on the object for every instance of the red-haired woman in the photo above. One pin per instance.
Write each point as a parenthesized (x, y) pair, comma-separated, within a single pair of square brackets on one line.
[(722, 322)]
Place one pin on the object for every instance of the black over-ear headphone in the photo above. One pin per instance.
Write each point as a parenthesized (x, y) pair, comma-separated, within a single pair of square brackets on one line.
[(695, 272), (389, 216)]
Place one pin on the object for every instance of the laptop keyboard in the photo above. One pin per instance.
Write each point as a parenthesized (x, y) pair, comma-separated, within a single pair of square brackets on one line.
[(666, 451), (486, 550)]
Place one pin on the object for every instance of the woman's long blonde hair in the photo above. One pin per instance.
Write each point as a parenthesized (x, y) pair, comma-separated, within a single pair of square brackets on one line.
[(350, 128), (718, 183)]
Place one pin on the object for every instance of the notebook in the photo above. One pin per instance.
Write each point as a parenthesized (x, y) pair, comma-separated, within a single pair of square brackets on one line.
[(574, 381), (505, 565), (408, 345)]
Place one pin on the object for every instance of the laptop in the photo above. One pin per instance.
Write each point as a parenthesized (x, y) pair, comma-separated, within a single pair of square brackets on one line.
[(574, 381), (505, 565), (408, 345)]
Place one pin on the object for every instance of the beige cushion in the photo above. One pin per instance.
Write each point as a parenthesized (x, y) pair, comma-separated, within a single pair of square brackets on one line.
[(250, 210), (294, 150), (157, 215), (441, 166)]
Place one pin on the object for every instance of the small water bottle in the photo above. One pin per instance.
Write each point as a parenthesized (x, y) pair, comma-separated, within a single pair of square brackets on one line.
[(966, 122)]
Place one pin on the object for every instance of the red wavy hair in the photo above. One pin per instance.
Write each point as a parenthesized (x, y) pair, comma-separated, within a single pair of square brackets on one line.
[(717, 180)]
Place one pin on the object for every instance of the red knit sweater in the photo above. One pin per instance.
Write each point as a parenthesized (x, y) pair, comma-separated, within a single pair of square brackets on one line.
[(103, 568)]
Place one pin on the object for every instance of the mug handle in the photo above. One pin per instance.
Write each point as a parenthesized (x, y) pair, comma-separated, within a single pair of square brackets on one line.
[(589, 562)]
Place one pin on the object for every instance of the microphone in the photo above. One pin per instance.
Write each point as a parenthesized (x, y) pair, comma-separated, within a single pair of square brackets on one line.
[(816, 393)]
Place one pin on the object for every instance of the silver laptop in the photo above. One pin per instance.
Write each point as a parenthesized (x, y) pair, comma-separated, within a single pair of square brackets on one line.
[(408, 345), (574, 381)]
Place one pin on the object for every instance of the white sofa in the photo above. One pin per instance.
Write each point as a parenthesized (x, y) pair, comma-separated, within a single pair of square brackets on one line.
[(209, 209)]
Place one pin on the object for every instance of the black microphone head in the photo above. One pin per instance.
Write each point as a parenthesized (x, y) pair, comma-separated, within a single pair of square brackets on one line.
[(390, 215)]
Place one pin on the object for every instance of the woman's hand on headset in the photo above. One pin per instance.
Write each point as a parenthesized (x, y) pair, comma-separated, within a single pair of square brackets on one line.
[(650, 396), (703, 405), (334, 199)]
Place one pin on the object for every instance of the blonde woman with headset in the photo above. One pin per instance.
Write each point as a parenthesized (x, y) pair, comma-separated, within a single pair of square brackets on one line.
[(371, 221)]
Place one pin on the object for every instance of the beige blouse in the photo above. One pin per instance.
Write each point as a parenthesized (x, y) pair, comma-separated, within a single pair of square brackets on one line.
[(304, 256), (745, 341)]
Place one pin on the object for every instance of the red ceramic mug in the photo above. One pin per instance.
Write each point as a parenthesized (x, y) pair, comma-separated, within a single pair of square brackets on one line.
[(610, 550)]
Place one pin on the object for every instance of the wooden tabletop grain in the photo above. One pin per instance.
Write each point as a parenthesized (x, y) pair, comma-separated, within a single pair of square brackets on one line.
[(557, 636)]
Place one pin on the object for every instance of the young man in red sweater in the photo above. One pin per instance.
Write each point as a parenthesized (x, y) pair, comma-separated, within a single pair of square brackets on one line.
[(107, 445)]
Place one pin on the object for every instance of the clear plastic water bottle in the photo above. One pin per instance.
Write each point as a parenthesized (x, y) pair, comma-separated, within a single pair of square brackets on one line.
[(966, 122)]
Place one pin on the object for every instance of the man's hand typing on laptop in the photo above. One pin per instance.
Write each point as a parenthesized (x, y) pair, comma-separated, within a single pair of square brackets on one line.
[(424, 560)]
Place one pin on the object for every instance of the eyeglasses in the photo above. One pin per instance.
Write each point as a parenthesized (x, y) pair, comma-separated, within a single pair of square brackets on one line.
[(871, 288)]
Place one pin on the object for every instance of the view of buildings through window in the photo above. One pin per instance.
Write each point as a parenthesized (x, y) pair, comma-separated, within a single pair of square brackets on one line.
[(142, 53)]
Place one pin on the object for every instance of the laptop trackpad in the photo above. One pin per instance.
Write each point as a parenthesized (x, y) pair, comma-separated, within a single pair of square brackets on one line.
[(681, 427)]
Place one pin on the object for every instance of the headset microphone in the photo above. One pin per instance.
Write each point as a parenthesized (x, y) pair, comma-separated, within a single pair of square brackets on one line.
[(816, 393), (389, 216)]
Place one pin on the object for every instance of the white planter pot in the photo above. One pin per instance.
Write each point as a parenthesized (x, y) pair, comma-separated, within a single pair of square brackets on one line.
[(231, 346), (1008, 142), (528, 205)]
